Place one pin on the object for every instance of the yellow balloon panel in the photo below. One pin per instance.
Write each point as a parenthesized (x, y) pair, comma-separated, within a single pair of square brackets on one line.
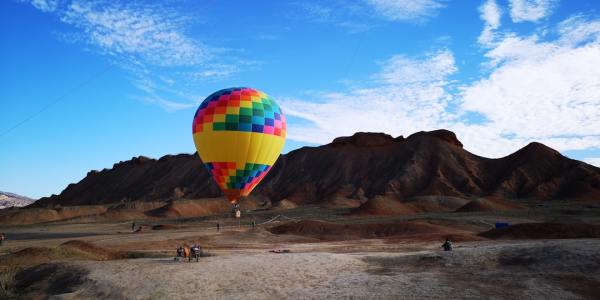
[(239, 147)]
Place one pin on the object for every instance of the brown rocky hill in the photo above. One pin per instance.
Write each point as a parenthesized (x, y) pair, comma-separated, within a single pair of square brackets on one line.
[(355, 168)]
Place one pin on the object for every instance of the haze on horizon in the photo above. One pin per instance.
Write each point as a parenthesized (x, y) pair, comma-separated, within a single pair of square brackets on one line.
[(88, 84)]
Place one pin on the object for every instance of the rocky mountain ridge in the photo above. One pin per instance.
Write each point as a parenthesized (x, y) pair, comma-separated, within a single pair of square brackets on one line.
[(359, 167)]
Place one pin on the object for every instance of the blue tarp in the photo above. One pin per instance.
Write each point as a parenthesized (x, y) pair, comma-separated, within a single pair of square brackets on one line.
[(501, 225)]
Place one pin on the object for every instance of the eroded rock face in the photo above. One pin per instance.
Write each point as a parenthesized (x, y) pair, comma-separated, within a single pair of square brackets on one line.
[(360, 167), (442, 134), (140, 179)]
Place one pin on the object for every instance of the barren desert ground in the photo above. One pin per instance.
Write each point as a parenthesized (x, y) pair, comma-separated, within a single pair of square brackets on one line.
[(341, 257)]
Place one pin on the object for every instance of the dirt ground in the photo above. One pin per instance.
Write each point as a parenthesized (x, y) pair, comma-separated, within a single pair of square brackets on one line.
[(559, 269), (319, 265)]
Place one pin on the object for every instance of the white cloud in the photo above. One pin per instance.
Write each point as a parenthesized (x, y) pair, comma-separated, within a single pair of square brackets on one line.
[(216, 72), (167, 104), (542, 90), (533, 90), (164, 92), (531, 10), (45, 5), (543, 82), (360, 16), (150, 41), (348, 15), (513, 49), (404, 101), (401, 70), (406, 10), (490, 13), (595, 161), (576, 30), (156, 37)]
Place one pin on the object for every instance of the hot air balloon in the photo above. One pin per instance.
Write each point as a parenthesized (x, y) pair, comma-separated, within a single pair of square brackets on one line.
[(239, 133)]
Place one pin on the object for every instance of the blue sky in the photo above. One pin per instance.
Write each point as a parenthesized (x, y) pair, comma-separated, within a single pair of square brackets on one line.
[(86, 84)]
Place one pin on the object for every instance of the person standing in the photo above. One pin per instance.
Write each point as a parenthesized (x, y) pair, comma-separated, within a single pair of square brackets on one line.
[(179, 253), (194, 252), (186, 252), (447, 245), (132, 226), (218, 227), (1, 238)]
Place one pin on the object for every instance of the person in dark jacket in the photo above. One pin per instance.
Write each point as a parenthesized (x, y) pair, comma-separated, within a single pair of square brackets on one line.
[(195, 252), (447, 245), (179, 253)]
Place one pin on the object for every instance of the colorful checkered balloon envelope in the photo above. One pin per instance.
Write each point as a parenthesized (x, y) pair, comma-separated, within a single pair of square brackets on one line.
[(239, 134)]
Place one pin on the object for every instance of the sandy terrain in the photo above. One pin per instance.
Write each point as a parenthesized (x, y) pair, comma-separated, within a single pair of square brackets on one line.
[(343, 257), (560, 269)]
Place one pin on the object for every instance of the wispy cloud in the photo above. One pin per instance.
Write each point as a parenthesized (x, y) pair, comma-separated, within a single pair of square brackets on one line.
[(531, 10), (127, 30), (216, 72), (360, 16), (578, 29), (403, 70), (350, 16), (403, 100), (317, 12), (406, 10), (146, 40), (490, 13), (167, 104), (45, 5)]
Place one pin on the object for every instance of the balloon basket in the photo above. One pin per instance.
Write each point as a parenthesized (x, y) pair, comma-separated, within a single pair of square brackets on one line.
[(235, 211)]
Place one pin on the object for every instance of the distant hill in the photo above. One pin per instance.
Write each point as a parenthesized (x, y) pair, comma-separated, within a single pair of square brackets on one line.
[(354, 170), (10, 200)]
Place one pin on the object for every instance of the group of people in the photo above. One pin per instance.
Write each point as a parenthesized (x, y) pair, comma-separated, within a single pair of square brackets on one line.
[(193, 252)]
